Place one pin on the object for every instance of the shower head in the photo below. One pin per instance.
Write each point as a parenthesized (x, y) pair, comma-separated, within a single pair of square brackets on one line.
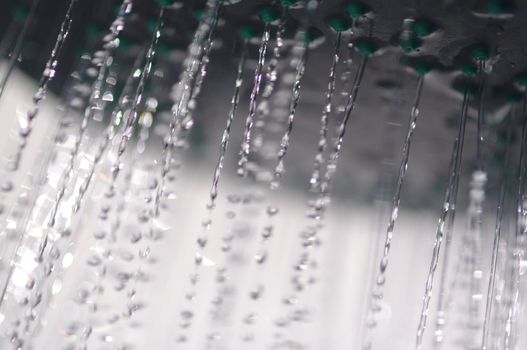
[(240, 115)]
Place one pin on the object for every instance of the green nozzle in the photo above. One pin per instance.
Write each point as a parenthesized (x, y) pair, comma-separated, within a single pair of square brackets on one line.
[(421, 68), (313, 34), (20, 13), (116, 10), (339, 23), (410, 45), (151, 24), (514, 97), (288, 3), (366, 48), (495, 7), (80, 50), (357, 10), (200, 14), (94, 31), (468, 69), (499, 158), (248, 32), (471, 89), (522, 79), (268, 14), (124, 44), (166, 2), (424, 28), (164, 48), (480, 53)]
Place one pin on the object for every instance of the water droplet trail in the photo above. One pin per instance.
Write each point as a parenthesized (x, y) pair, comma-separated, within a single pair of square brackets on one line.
[(25, 130), (246, 144), (284, 144), (322, 199), (496, 242), (15, 54), (131, 120), (94, 102), (47, 76), (520, 234), (203, 63), (472, 235), (324, 119), (380, 280), (341, 131), (482, 80), (449, 202), (226, 132), (263, 109), (199, 50), (521, 210), (443, 299), (74, 80), (111, 130)]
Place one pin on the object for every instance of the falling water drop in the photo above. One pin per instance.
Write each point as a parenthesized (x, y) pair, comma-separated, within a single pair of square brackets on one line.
[(324, 119), (473, 240), (94, 103), (226, 132), (40, 95), (377, 293), (272, 78), (309, 236), (204, 61), (298, 63), (449, 203), (496, 244), (482, 80), (444, 300), (196, 62), (519, 237), (15, 54), (111, 131), (131, 119), (341, 131), (13, 165), (479, 176), (70, 93), (301, 52), (246, 144), (190, 85)]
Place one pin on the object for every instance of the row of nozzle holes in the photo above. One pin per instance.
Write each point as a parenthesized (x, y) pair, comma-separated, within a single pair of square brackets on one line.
[(413, 34)]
